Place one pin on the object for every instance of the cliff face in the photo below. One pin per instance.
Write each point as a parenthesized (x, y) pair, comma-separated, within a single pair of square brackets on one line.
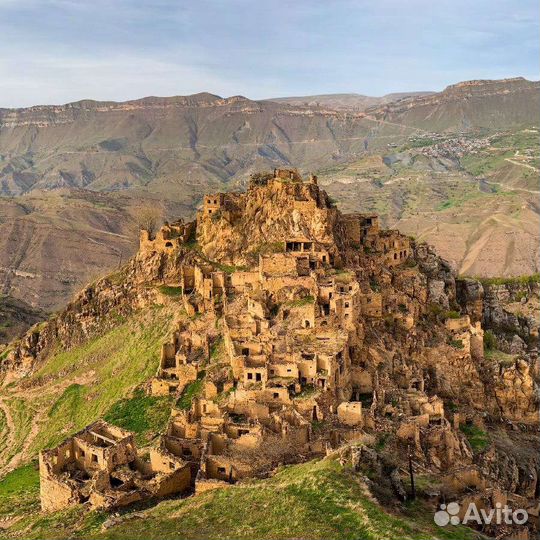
[(258, 222), (461, 106), (511, 309)]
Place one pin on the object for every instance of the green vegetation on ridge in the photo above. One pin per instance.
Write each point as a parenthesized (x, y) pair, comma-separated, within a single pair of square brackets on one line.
[(76, 387), (315, 500)]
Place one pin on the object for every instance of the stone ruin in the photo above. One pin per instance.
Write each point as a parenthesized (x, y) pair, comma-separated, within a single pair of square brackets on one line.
[(323, 323), (101, 466)]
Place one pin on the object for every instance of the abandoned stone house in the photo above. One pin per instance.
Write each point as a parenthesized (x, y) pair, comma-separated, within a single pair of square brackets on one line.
[(168, 237), (302, 325), (101, 466)]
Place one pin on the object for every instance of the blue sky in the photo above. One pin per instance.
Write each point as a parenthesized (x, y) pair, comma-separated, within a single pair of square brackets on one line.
[(56, 51)]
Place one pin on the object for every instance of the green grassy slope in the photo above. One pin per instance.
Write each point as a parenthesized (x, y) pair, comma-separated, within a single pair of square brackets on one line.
[(74, 388), (316, 500)]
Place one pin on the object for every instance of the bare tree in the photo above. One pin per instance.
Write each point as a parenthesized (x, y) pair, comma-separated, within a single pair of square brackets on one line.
[(148, 218)]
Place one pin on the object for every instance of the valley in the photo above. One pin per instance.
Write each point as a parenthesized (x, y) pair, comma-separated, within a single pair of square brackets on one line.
[(79, 174)]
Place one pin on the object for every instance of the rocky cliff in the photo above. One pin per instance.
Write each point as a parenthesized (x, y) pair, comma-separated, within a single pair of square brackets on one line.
[(78, 174)]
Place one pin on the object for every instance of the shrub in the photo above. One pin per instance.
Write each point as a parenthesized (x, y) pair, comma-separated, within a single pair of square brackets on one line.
[(478, 438), (490, 341)]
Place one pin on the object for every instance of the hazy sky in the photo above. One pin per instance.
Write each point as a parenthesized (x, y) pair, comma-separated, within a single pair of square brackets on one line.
[(55, 51)]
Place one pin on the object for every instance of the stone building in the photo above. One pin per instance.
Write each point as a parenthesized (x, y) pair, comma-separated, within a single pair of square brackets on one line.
[(101, 466), (295, 315)]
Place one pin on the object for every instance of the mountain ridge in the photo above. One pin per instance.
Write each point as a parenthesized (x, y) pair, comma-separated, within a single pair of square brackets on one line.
[(167, 152)]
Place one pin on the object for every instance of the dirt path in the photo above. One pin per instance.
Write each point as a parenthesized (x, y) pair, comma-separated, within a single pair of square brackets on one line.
[(15, 461), (520, 163), (512, 188), (37, 420)]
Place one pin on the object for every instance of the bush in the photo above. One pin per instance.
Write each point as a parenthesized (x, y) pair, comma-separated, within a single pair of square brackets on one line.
[(435, 309), (490, 341), (478, 439)]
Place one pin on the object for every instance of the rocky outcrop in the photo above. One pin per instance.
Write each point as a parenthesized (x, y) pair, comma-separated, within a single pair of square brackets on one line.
[(470, 296), (441, 276), (516, 393), (511, 308)]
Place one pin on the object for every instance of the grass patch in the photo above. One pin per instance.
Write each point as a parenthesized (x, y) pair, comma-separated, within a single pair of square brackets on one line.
[(306, 300), (145, 415), (419, 143), (502, 358), (22, 480), (317, 500), (217, 350), (444, 205), (478, 438), (485, 163), (381, 441), (309, 390), (22, 415), (518, 280), (71, 399), (267, 248), (171, 291), (110, 366), (190, 391), (456, 343), (19, 491), (490, 340)]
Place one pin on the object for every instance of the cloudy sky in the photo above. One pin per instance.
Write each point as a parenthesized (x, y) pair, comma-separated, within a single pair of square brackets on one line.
[(56, 51)]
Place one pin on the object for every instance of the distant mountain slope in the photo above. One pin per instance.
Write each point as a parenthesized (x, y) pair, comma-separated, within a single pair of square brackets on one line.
[(464, 106), (51, 242), (72, 177), (356, 102), (174, 146), (181, 146), (16, 317)]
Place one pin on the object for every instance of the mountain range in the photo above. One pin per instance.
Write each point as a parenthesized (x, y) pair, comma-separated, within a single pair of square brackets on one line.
[(75, 178)]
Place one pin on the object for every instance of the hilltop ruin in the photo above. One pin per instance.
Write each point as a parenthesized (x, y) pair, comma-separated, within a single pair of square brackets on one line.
[(305, 329)]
